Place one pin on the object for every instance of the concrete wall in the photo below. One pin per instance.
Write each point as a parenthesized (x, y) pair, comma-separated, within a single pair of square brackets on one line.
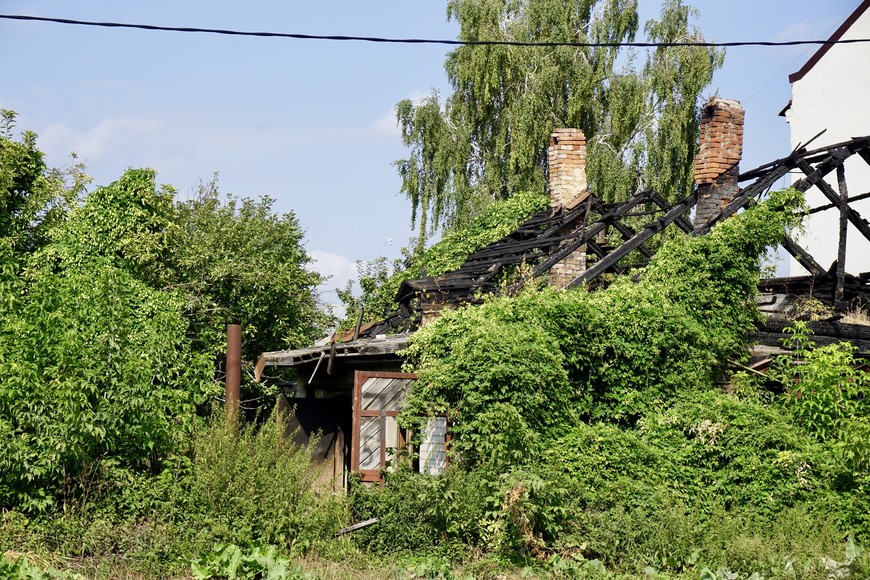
[(835, 95)]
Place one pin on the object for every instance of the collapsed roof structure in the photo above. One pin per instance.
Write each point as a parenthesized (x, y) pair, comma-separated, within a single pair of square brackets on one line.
[(578, 240), (581, 237)]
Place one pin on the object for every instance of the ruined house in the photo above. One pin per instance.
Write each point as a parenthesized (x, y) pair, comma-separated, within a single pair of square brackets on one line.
[(352, 389)]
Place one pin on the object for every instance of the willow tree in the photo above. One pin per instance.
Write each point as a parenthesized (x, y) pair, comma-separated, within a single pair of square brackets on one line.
[(488, 138)]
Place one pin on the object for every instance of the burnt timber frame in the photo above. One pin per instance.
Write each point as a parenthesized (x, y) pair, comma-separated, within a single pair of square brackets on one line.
[(550, 236)]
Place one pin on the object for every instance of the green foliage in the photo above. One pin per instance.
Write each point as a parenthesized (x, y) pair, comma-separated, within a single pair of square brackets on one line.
[(238, 262), (829, 396), (233, 261), (255, 485), (113, 313), (126, 224), (229, 561), (94, 366), (380, 283), (733, 453), (617, 354), (593, 431), (32, 197), (829, 393), (488, 139), (249, 489), (420, 513), (471, 367), (21, 569)]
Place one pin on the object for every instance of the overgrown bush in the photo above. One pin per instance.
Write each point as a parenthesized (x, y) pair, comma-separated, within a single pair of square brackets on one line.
[(613, 355), (251, 484), (245, 486), (829, 397), (593, 428), (94, 366), (420, 513)]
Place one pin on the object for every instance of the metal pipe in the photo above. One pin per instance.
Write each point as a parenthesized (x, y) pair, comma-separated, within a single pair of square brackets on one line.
[(234, 367)]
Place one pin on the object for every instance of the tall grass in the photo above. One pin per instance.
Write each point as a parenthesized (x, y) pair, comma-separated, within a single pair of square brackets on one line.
[(245, 484), (253, 484)]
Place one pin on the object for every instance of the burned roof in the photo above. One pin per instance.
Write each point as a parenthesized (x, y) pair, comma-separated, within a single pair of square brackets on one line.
[(328, 351), (543, 240), (549, 236)]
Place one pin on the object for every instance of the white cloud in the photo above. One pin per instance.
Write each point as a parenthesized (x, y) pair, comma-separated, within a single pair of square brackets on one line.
[(386, 126), (339, 269), (108, 136)]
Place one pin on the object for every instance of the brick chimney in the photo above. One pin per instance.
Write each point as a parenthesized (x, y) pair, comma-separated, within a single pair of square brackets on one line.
[(566, 157), (719, 154)]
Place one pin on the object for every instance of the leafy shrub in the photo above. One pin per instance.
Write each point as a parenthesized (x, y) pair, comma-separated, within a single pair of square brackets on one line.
[(93, 366), (240, 485), (253, 485), (238, 261), (21, 568), (827, 391), (615, 354), (737, 453), (830, 398), (230, 561), (420, 513)]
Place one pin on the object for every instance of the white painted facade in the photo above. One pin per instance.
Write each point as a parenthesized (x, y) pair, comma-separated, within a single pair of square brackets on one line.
[(832, 92)]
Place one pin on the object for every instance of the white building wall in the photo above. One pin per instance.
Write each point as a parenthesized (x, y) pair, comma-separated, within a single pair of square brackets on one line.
[(835, 95)]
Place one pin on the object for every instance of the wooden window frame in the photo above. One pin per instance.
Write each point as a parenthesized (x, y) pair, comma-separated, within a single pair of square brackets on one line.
[(359, 379)]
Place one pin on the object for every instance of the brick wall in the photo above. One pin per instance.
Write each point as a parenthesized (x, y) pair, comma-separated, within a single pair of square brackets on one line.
[(562, 273), (719, 154)]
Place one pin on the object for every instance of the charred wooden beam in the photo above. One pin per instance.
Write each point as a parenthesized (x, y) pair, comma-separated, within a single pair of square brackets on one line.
[(816, 177), (802, 256), (777, 339), (856, 145), (841, 246), (515, 247), (828, 206), (601, 253), (865, 155), (593, 230), (627, 233), (836, 329), (647, 232), (680, 222)]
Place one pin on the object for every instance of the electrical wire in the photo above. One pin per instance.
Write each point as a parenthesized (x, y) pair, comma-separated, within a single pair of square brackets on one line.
[(384, 40), (793, 61)]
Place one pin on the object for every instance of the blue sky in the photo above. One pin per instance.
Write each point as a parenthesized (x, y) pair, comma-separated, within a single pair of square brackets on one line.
[(309, 123)]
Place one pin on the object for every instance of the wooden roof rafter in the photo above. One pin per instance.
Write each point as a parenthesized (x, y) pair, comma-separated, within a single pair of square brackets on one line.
[(816, 164), (550, 236)]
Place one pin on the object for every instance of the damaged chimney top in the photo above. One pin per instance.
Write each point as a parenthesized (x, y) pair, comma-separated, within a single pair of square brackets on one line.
[(719, 153), (566, 157)]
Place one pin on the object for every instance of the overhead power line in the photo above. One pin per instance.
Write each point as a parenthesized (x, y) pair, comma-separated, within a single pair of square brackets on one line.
[(376, 39)]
